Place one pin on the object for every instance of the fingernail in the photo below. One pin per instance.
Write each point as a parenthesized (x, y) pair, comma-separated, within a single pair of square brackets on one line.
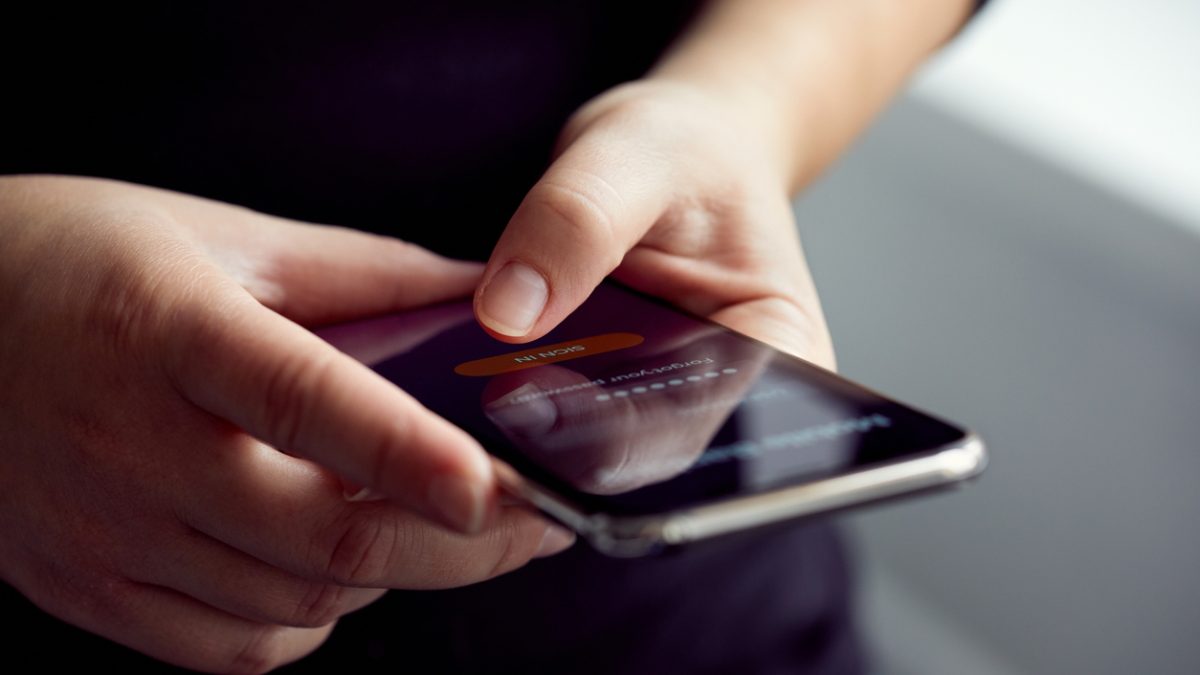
[(459, 501), (555, 540), (525, 411), (513, 300)]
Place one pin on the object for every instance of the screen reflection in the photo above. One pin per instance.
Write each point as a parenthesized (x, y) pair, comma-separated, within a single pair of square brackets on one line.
[(630, 407), (772, 600)]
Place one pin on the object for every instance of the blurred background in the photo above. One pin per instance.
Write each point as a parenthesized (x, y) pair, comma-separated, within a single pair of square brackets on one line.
[(1016, 245)]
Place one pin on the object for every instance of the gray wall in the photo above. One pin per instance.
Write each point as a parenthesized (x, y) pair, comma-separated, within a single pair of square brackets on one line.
[(1064, 326)]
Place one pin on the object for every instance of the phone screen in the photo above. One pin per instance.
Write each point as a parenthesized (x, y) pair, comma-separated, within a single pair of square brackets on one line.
[(631, 407)]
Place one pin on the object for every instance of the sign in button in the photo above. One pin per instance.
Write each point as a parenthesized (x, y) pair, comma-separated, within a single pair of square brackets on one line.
[(540, 356)]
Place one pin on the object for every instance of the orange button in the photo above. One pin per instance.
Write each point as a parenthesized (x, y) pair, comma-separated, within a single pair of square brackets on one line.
[(540, 356)]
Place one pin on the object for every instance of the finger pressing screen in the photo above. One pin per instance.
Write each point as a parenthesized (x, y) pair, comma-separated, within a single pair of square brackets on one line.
[(594, 203)]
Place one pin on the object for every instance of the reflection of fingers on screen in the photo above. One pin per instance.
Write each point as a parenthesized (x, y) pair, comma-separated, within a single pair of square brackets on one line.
[(603, 448), (526, 412)]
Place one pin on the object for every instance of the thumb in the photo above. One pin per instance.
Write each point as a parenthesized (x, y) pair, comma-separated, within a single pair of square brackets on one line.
[(244, 363), (595, 202)]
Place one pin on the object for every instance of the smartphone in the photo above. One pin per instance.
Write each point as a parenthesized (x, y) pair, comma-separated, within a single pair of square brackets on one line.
[(643, 427)]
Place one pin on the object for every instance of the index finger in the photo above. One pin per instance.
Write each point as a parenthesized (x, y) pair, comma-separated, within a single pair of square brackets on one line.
[(280, 383)]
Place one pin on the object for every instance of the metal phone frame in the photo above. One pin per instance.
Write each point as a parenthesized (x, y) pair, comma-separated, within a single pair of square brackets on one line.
[(623, 536)]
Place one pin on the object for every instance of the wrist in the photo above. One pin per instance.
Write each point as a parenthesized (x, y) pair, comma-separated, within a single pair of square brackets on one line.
[(766, 123), (708, 113), (808, 75)]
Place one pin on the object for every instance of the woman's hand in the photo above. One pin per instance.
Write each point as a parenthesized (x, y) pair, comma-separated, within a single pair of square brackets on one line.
[(660, 184), (154, 376), (680, 184)]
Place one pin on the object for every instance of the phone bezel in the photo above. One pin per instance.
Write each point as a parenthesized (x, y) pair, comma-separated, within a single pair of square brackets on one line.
[(633, 536)]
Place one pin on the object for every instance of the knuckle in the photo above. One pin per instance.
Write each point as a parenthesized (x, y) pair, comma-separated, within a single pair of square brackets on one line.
[(361, 552), (320, 604), (291, 388), (587, 209), (123, 280), (120, 310), (386, 457), (138, 288)]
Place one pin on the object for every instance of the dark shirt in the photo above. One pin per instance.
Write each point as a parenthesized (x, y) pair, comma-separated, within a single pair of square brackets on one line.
[(427, 122)]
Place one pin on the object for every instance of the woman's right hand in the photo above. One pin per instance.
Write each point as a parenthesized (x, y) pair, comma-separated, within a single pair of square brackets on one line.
[(175, 447)]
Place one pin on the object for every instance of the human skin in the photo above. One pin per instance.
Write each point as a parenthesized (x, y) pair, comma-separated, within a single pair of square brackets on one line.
[(175, 448), (155, 376), (680, 184)]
